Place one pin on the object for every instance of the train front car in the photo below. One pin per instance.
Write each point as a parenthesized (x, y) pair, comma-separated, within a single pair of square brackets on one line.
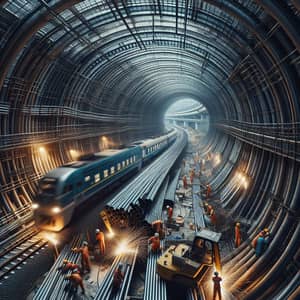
[(54, 207)]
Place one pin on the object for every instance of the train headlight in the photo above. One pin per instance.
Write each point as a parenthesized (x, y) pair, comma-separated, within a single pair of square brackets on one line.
[(56, 209), (34, 206)]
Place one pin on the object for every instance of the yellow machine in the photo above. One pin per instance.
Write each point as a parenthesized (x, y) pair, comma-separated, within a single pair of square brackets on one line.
[(187, 264)]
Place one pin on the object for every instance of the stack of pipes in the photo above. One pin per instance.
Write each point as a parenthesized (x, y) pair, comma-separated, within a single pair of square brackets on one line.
[(131, 204)]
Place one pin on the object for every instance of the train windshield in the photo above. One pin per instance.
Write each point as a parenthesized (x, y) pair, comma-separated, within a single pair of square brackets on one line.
[(48, 185)]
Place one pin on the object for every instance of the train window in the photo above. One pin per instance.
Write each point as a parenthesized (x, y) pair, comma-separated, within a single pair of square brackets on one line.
[(123, 163), (105, 172), (48, 185), (112, 170), (131, 160), (134, 158), (119, 167), (97, 177), (127, 162), (87, 178)]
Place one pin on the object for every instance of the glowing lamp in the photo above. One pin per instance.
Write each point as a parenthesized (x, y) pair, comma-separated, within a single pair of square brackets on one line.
[(35, 206), (56, 209)]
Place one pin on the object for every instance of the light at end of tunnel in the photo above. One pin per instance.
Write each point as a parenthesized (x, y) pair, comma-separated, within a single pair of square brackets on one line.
[(104, 138), (56, 209), (35, 206)]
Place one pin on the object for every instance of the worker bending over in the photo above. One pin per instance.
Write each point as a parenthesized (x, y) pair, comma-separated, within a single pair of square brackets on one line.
[(68, 266), (101, 241), (85, 259), (155, 243), (75, 280)]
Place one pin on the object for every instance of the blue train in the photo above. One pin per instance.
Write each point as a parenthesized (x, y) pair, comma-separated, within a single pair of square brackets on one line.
[(61, 190)]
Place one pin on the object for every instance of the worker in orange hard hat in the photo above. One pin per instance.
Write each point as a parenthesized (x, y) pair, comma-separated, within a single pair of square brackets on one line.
[(237, 235), (155, 242), (169, 212), (68, 265), (157, 226), (75, 280), (192, 175), (213, 217), (85, 259), (208, 191), (185, 184), (262, 233), (217, 286), (101, 241)]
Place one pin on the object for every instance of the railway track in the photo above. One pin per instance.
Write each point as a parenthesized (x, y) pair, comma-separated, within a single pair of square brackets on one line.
[(19, 251)]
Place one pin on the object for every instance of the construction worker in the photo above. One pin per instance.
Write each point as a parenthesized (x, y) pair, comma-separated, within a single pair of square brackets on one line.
[(183, 163), (213, 218), (237, 235), (208, 191), (117, 279), (155, 242), (262, 233), (260, 246), (101, 241), (157, 226), (192, 175), (185, 184), (75, 280), (169, 212), (217, 286), (69, 266), (85, 259)]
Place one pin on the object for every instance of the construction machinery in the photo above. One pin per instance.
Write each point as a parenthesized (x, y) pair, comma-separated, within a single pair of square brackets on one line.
[(187, 263)]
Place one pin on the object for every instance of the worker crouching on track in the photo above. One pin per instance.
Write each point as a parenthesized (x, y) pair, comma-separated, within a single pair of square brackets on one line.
[(68, 266), (117, 279), (155, 243), (85, 259), (75, 280), (101, 241)]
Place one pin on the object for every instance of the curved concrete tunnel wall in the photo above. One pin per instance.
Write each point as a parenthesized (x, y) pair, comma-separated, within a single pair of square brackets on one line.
[(73, 71)]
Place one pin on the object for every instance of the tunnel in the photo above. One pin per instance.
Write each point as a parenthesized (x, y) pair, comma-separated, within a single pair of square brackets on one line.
[(79, 76)]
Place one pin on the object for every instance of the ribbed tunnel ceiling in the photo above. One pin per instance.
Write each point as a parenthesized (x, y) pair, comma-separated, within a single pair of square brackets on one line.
[(142, 54), (73, 71)]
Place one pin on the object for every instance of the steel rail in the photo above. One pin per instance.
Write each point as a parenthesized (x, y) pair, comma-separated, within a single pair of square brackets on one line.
[(17, 255), (53, 286), (155, 287)]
